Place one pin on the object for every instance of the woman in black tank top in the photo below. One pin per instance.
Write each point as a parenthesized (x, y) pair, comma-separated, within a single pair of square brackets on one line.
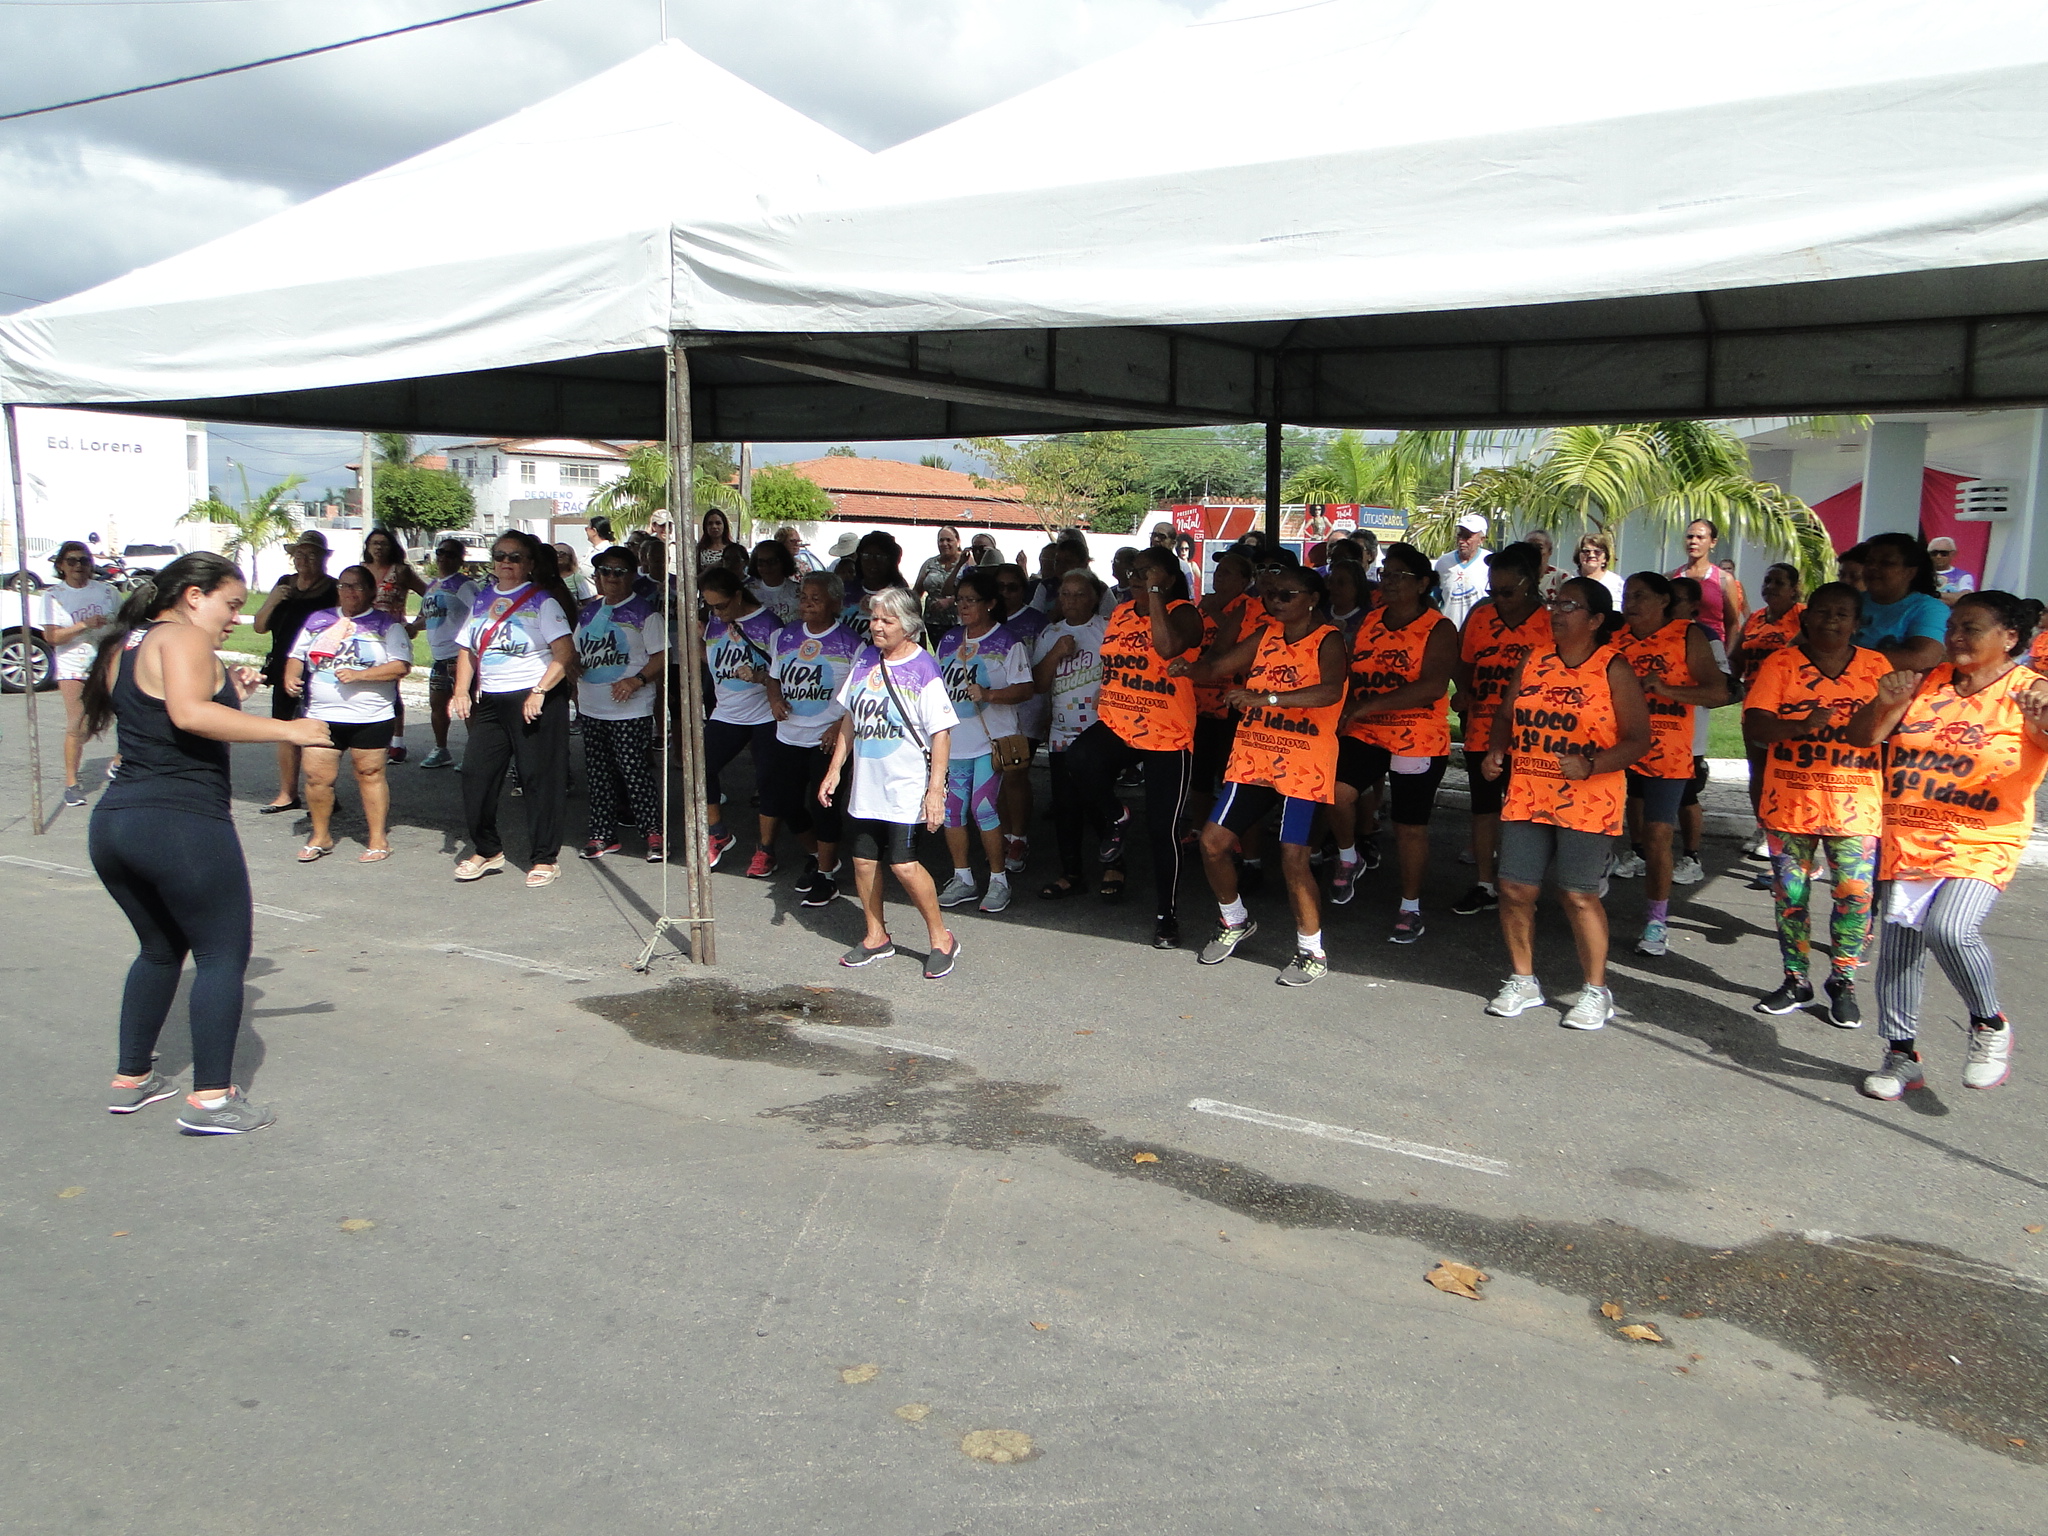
[(162, 840)]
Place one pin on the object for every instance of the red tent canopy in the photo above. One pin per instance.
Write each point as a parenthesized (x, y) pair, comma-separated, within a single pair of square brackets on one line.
[(1842, 514)]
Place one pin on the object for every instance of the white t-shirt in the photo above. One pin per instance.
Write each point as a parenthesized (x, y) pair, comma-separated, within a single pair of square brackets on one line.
[(1462, 584), (1034, 715), (730, 649), (810, 669), (518, 653), (444, 609), (62, 605), (329, 643), (889, 766), (997, 659), (779, 600), (612, 643), (1075, 681), (1701, 716)]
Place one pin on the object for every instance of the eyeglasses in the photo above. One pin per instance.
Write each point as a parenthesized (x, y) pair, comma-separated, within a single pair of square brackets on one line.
[(1564, 605), (1396, 573)]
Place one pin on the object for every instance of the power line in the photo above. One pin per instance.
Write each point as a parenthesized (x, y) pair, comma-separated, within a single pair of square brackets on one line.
[(282, 58)]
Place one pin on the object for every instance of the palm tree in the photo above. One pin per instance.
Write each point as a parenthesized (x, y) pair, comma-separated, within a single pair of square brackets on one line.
[(632, 500), (1667, 473), (258, 521), (393, 448), (1399, 474)]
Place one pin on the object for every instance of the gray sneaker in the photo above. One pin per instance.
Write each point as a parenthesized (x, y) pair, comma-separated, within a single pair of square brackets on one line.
[(957, 893), (1224, 945), (1303, 969), (1517, 995), (939, 963), (1593, 1009), (998, 896), (1899, 1074), (230, 1117), (1990, 1059), (152, 1089)]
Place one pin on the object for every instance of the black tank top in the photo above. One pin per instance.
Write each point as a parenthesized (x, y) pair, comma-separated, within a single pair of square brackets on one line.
[(161, 766)]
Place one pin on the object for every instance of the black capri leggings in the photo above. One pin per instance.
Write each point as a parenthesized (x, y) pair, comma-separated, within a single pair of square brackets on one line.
[(182, 882), (789, 792), (1095, 759), (724, 741)]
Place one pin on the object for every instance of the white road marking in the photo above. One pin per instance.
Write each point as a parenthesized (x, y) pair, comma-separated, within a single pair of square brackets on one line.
[(46, 866), (1933, 1263), (517, 962), (1378, 1143), (868, 1037), (286, 913)]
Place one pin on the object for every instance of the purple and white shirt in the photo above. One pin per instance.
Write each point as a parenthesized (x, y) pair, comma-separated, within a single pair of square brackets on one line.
[(889, 766), (809, 669)]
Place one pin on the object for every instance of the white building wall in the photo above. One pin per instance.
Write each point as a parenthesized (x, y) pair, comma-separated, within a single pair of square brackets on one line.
[(125, 479), (559, 473)]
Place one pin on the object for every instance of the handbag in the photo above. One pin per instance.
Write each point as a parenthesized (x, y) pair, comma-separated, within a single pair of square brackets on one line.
[(1008, 753)]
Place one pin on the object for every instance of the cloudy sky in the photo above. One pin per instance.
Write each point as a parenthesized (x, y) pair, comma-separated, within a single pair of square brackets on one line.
[(90, 193)]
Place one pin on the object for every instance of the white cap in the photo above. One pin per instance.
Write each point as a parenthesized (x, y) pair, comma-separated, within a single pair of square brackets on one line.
[(1471, 522), (1947, 544)]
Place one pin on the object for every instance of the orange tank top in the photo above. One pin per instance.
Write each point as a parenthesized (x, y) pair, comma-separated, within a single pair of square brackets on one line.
[(1819, 784), (1763, 635), (1209, 696), (1565, 711), (1959, 785), (2037, 653), (1139, 701), (1493, 651), (1383, 659), (1290, 748), (1662, 658)]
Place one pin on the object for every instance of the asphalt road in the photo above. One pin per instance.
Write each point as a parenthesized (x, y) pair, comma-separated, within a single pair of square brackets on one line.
[(542, 1245)]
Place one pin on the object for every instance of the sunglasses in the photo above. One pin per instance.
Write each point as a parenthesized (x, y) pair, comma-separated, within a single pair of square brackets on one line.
[(74, 560), (613, 570), (508, 556), (1286, 594)]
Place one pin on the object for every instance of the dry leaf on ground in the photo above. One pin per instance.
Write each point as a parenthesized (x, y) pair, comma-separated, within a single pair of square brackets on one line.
[(357, 1224), (1144, 1157), (1458, 1279), (854, 1375), (2033, 1229), (72, 1193), (1610, 1311), (1001, 1446), (1041, 1327), (1641, 1333), (914, 1413)]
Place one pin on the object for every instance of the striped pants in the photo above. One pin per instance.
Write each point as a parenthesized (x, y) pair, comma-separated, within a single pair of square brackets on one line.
[(1953, 930), (618, 762)]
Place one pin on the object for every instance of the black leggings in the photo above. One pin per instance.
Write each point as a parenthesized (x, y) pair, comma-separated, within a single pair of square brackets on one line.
[(499, 734), (182, 882), (1095, 759), (1069, 814)]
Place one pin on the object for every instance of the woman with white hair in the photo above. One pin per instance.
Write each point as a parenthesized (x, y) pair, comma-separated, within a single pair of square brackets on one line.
[(900, 725)]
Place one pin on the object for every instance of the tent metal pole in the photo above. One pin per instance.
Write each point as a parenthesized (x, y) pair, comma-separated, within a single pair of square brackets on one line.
[(684, 690), (1273, 485), (28, 650)]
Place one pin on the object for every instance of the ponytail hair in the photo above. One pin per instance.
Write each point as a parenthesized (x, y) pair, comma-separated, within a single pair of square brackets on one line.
[(202, 571)]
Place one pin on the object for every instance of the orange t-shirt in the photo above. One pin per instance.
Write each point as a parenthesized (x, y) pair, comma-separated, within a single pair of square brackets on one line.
[(1820, 784), (1286, 746), (1493, 651), (1139, 701), (1383, 659), (1763, 635), (2037, 653), (1662, 657), (1209, 696), (1959, 787), (1565, 711)]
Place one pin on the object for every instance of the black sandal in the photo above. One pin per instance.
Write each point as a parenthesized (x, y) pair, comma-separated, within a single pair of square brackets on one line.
[(1059, 890), (1108, 889), (279, 810)]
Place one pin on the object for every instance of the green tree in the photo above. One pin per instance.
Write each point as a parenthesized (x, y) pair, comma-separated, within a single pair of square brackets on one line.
[(410, 499), (843, 451), (781, 495), (259, 521), (394, 448), (934, 461), (632, 500), (1076, 479), (1661, 473)]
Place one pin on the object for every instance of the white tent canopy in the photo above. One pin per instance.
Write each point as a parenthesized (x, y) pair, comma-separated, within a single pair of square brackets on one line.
[(1373, 212)]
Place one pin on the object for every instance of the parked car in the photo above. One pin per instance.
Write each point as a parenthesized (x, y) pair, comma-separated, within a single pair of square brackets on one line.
[(22, 652), (148, 559)]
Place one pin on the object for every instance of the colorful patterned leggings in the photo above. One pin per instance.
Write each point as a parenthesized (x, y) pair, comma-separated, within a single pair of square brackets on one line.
[(1794, 858)]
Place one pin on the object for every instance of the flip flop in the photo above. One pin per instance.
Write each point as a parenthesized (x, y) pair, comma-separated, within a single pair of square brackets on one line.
[(313, 853), (1108, 889), (1059, 890), (373, 856)]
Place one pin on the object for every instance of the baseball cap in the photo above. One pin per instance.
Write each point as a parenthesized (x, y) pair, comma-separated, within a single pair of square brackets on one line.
[(1471, 522)]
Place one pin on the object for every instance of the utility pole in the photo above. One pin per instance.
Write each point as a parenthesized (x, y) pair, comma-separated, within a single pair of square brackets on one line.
[(365, 481)]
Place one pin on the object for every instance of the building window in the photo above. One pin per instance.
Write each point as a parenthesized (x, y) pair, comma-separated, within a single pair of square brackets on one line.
[(579, 474), (526, 472)]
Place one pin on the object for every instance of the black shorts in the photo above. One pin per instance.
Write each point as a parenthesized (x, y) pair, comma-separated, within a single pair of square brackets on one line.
[(360, 735), (441, 676), (1696, 783), (283, 706), (1363, 766), (888, 842), (1488, 795)]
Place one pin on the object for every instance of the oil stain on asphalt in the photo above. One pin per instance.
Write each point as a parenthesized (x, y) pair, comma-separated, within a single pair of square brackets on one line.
[(1920, 1333)]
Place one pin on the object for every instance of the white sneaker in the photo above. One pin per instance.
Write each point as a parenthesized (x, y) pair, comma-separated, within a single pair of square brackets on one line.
[(1687, 871), (1628, 866), (1990, 1059), (1517, 995), (1652, 941), (1593, 1009), (958, 892), (1757, 846), (998, 896), (1900, 1072)]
